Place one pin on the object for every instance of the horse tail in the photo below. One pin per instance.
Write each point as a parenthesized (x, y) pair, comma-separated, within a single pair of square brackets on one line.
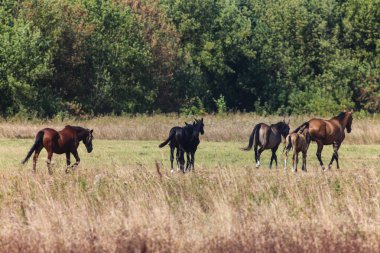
[(288, 143), (301, 127), (37, 143), (171, 135), (253, 139)]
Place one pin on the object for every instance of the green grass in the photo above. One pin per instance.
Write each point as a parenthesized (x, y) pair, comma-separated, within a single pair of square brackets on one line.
[(112, 153)]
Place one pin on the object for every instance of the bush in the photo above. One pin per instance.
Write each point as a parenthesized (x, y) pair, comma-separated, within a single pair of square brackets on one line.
[(193, 107), (221, 105)]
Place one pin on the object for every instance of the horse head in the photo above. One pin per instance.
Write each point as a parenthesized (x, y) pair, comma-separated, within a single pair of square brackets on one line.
[(349, 122), (198, 127), (87, 140), (284, 128)]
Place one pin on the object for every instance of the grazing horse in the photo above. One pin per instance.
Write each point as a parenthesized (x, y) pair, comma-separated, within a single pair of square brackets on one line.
[(267, 137), (65, 141), (329, 132), (185, 139), (298, 142)]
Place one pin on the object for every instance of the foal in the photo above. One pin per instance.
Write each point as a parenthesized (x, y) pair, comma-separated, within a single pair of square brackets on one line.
[(298, 142), (65, 141)]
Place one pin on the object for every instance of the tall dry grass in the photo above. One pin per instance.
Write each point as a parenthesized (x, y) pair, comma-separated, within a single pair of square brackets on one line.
[(223, 209), (233, 127)]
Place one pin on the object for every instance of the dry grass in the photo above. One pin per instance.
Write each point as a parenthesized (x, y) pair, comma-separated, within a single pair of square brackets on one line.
[(117, 202), (234, 127), (132, 209)]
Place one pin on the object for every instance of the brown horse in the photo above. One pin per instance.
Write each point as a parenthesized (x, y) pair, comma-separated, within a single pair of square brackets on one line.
[(298, 142), (65, 141), (267, 137), (329, 132)]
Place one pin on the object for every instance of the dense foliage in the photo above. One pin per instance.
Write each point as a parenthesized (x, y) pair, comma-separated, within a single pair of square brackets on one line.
[(131, 56)]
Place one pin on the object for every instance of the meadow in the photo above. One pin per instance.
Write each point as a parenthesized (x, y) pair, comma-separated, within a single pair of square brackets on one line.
[(123, 198)]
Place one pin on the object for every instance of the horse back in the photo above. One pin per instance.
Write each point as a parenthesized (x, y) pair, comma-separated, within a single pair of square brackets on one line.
[(68, 134), (327, 131), (269, 137)]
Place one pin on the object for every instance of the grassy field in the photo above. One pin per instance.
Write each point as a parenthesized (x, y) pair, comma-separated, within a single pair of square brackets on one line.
[(117, 201)]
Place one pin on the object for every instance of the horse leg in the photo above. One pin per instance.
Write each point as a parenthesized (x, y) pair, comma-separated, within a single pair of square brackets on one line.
[(319, 153), (193, 160), (77, 159), (178, 153), (293, 161), (286, 159), (335, 155), (48, 162), (182, 160), (172, 158), (261, 149), (296, 161), (274, 150), (68, 162), (35, 157), (188, 161), (304, 154)]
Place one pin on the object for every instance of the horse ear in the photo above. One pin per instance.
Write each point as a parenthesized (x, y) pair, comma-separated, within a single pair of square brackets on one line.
[(202, 119), (92, 130)]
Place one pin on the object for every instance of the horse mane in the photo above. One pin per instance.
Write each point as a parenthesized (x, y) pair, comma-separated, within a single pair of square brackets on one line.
[(76, 128), (280, 123), (340, 116), (188, 128)]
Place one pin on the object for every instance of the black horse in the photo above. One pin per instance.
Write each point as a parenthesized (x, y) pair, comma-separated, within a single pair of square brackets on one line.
[(267, 137), (185, 139)]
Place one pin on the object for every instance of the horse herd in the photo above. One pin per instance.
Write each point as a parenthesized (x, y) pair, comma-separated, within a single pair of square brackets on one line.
[(186, 140)]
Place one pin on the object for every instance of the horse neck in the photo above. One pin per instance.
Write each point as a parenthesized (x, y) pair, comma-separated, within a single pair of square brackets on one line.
[(80, 133), (343, 122), (190, 133), (279, 128)]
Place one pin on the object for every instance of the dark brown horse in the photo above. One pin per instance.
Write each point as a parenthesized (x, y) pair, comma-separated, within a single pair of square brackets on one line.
[(65, 141), (267, 137), (329, 132), (185, 139)]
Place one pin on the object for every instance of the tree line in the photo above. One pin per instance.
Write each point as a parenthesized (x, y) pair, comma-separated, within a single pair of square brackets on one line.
[(93, 57)]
